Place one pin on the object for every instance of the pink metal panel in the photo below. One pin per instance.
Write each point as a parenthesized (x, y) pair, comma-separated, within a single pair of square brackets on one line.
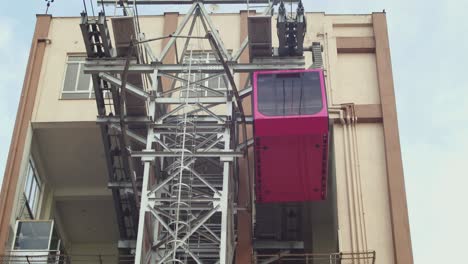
[(291, 151)]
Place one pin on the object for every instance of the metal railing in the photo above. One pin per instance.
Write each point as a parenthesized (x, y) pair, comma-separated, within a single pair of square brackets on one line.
[(22, 257), (331, 258), (281, 258)]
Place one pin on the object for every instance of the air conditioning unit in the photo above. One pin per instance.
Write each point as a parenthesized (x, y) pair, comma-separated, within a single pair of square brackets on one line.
[(35, 241)]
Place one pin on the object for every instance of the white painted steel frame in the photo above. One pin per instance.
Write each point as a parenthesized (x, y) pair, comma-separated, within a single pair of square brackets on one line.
[(190, 221), (182, 231)]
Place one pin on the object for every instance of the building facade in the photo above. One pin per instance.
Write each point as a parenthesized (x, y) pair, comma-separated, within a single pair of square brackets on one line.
[(56, 165)]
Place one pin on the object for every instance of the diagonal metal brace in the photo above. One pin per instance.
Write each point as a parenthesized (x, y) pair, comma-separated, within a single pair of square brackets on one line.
[(134, 90)]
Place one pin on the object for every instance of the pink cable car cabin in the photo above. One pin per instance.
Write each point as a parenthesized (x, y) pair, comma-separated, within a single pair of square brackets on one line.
[(291, 136)]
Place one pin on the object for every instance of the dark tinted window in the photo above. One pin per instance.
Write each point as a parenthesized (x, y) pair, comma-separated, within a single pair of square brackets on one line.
[(289, 94)]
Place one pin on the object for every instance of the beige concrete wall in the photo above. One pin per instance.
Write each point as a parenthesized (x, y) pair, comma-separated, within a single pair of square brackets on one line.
[(364, 30), (65, 36), (376, 205), (363, 207), (349, 19), (226, 24), (152, 26), (357, 79)]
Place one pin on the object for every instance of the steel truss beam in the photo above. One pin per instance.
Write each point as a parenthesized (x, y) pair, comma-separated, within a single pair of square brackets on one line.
[(176, 153), (93, 67)]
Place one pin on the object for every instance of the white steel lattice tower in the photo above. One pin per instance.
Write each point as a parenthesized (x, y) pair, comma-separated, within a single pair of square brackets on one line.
[(172, 159)]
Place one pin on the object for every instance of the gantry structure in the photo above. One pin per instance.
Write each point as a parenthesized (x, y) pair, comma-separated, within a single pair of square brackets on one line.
[(172, 157)]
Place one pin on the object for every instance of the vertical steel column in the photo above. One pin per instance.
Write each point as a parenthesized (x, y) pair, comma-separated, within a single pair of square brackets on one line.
[(146, 174)]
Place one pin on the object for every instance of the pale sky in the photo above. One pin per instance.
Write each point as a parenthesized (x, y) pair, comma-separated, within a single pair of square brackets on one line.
[(429, 42)]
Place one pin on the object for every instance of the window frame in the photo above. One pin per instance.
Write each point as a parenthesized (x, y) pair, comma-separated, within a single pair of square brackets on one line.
[(89, 92), (32, 205)]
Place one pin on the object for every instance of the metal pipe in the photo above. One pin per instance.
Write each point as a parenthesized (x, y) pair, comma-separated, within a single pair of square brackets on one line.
[(359, 179)]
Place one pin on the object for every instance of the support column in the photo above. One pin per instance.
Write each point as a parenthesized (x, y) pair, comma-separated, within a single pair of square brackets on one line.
[(244, 218), (396, 183)]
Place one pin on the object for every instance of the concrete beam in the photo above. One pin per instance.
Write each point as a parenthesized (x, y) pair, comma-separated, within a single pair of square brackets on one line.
[(355, 44), (82, 193)]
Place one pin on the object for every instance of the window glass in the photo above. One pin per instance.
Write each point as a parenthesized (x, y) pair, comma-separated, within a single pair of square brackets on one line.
[(29, 179), (197, 89), (83, 80), (213, 82), (55, 241), (77, 84), (70, 77), (33, 235), (289, 94), (222, 83), (32, 200), (32, 190)]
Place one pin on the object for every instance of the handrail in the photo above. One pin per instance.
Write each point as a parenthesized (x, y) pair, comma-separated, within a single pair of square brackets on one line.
[(317, 258), (51, 257)]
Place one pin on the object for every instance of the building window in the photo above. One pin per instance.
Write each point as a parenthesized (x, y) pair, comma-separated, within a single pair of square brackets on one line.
[(33, 235), (32, 190), (202, 79), (77, 84)]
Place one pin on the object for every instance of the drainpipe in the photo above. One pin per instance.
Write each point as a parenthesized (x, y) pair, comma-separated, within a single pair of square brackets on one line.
[(337, 110), (347, 117), (355, 180)]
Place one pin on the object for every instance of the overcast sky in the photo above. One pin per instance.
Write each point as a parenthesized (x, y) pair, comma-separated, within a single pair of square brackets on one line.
[(429, 42)]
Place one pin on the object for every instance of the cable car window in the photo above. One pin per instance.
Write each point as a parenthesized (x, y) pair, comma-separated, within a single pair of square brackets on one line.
[(289, 94)]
